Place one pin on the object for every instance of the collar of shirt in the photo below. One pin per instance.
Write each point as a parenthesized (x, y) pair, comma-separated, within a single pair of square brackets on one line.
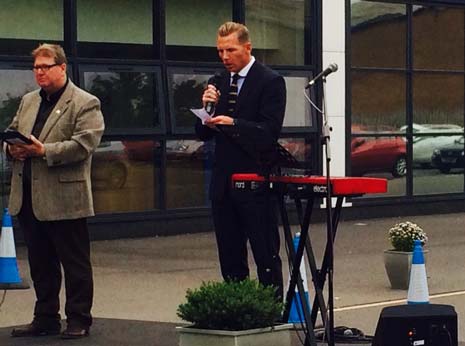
[(55, 96), (243, 73)]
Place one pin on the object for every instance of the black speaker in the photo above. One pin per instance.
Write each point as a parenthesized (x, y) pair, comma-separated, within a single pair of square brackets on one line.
[(417, 325)]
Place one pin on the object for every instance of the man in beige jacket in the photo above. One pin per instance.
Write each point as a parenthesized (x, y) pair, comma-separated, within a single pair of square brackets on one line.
[(51, 193)]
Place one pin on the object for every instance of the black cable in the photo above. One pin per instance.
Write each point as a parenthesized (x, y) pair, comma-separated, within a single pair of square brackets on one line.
[(449, 337), (347, 335)]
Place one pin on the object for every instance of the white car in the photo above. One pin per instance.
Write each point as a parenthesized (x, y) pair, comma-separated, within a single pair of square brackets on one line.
[(424, 146)]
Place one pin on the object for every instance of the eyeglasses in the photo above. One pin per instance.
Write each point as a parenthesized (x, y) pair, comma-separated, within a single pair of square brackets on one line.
[(43, 68)]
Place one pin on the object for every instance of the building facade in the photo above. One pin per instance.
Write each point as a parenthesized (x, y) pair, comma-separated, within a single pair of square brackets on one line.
[(396, 100)]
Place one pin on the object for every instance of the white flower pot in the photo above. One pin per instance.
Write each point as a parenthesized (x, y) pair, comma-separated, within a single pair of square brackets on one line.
[(279, 335)]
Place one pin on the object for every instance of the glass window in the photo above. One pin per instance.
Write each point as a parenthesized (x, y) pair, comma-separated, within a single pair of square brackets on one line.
[(378, 101), (188, 172), (130, 96), (125, 176), (298, 109), (14, 84), (185, 92), (24, 23), (438, 98), (124, 29), (300, 149), (277, 30), (191, 28), (378, 34), (438, 38), (186, 88), (380, 156), (438, 163)]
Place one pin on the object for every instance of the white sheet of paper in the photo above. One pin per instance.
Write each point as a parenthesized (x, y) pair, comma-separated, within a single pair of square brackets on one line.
[(202, 114)]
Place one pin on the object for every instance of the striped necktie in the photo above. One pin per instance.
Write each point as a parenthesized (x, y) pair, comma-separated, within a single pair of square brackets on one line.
[(232, 95)]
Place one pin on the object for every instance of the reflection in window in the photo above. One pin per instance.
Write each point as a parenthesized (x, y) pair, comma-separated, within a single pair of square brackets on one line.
[(378, 101), (191, 23), (444, 171), (125, 176), (425, 146), (277, 30), (381, 156), (297, 107), (300, 149), (185, 93), (438, 38), (438, 105), (188, 172), (378, 34), (32, 20), (191, 28), (14, 84), (122, 30), (125, 21), (129, 99)]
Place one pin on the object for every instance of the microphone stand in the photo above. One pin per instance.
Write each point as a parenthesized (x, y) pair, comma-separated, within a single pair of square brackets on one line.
[(325, 138)]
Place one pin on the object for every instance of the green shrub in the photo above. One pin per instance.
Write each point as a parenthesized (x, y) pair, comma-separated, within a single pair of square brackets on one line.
[(234, 305)]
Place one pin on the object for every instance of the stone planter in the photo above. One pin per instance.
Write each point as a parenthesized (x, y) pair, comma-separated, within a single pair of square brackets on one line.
[(398, 264), (279, 335)]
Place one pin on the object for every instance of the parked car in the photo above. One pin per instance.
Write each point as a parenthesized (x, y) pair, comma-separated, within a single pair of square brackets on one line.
[(188, 149), (145, 150), (423, 146), (109, 166), (386, 154), (450, 156)]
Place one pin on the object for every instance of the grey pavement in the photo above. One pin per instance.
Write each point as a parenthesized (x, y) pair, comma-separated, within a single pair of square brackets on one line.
[(140, 282)]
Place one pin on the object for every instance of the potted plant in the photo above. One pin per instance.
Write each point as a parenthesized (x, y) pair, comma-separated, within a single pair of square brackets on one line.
[(232, 313), (398, 260)]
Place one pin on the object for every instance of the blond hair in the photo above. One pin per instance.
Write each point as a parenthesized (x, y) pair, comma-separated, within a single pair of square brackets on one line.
[(229, 28), (54, 51)]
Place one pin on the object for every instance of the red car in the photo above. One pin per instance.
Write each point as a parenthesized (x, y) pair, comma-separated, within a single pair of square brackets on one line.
[(370, 154)]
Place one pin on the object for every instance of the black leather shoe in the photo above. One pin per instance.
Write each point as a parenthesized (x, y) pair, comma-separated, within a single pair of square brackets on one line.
[(35, 329), (75, 332)]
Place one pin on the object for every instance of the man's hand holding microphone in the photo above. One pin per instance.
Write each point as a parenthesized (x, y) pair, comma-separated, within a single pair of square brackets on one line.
[(210, 98)]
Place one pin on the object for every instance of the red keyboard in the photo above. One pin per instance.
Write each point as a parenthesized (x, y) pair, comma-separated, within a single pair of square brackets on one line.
[(340, 186)]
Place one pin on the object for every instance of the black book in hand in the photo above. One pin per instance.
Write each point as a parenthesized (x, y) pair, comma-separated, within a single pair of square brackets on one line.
[(14, 137)]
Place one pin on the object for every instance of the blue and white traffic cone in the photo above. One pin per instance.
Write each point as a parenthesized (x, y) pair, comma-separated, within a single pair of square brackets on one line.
[(9, 273), (418, 285), (296, 314)]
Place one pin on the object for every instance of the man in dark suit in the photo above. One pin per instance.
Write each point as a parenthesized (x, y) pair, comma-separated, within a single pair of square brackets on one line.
[(246, 128), (51, 192)]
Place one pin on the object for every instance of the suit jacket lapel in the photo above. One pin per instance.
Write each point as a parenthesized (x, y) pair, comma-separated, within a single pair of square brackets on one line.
[(58, 110)]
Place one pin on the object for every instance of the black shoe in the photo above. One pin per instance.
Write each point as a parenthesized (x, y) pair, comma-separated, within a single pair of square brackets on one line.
[(75, 332), (35, 329)]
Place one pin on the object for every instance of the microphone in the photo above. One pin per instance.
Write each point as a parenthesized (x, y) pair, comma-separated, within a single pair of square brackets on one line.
[(330, 69), (210, 106)]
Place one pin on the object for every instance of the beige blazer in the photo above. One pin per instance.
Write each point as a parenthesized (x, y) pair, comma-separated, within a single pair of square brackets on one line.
[(60, 181)]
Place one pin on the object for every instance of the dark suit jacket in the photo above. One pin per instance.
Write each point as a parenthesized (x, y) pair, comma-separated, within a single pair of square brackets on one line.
[(260, 112)]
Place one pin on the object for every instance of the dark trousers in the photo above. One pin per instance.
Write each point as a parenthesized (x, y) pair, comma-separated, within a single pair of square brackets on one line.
[(49, 244), (242, 216)]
